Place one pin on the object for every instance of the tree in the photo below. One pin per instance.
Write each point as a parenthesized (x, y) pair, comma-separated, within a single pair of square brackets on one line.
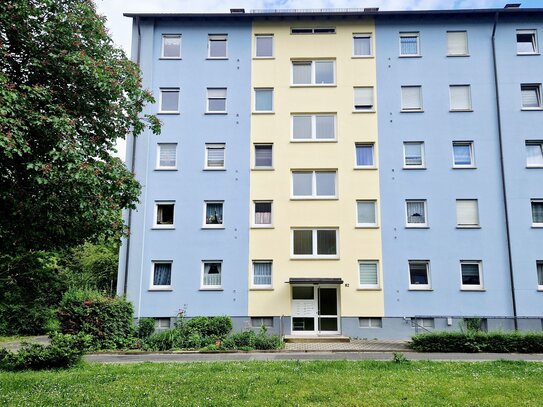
[(66, 95)]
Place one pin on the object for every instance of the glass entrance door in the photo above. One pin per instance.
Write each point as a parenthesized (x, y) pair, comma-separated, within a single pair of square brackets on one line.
[(315, 310), (328, 315)]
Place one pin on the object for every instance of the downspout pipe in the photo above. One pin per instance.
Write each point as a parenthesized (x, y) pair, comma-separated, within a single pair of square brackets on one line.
[(132, 169), (502, 168)]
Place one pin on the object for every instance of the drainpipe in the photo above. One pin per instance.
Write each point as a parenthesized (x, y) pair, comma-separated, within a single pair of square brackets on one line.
[(504, 186), (132, 168)]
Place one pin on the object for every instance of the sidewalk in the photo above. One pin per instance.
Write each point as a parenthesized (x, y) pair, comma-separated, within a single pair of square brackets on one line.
[(16, 345), (356, 345)]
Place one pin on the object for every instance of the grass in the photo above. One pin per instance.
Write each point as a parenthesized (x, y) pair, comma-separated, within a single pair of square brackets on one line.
[(286, 383)]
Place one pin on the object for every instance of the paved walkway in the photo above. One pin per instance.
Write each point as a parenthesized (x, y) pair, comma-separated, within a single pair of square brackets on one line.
[(16, 345), (354, 345)]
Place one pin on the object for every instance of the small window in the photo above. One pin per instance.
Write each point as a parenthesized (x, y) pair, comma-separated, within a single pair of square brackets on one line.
[(467, 213), (362, 45), (264, 46), (539, 266), (257, 322), (531, 96), (366, 215), (263, 156), (411, 99), (169, 100), (527, 42), (413, 155), (471, 275), (162, 323), (416, 213), (534, 153), (368, 273), (307, 243), (162, 275), (314, 184), (215, 156), (463, 154), (214, 216), (364, 155), (419, 275), (211, 274), (427, 323), (262, 274), (409, 44), (218, 46), (318, 72), (164, 215), (263, 213), (457, 43), (264, 100), (312, 30), (363, 99), (460, 98), (166, 156), (370, 322), (171, 46), (216, 100), (303, 293), (316, 127), (537, 212)]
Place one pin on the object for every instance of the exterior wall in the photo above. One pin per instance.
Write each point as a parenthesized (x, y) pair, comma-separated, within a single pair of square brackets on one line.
[(275, 244)]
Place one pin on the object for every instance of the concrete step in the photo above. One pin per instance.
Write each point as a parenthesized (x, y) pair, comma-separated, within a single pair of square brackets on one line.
[(316, 339)]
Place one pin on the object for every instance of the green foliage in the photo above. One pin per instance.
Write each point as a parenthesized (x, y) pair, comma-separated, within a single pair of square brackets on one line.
[(217, 327), (145, 328), (63, 352), (399, 357), (109, 321), (66, 95), (496, 342), (165, 340)]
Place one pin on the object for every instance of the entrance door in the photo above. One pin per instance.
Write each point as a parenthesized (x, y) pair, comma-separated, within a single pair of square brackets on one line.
[(315, 310)]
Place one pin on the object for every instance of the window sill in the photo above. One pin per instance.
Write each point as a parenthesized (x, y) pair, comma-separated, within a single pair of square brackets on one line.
[(263, 169), (316, 198), (163, 227), (214, 169), (213, 228), (527, 54), (314, 85), (366, 227), (262, 58), (211, 289), (531, 167), (168, 113), (417, 227), (261, 289), (410, 56), (468, 227), (420, 289), (365, 111), (170, 58), (216, 113), (264, 112), (362, 57), (369, 289), (531, 109), (537, 226), (468, 289), (314, 257), (166, 169), (263, 227), (464, 168), (412, 111), (160, 289), (313, 140), (461, 111), (414, 168), (217, 58), (540, 288), (365, 168), (458, 55)]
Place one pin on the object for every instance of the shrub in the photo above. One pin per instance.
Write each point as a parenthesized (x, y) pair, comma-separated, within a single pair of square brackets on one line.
[(165, 340), (216, 327), (146, 327)]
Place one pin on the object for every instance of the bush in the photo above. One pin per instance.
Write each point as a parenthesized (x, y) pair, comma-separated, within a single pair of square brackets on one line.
[(146, 327), (215, 327), (476, 341), (165, 340)]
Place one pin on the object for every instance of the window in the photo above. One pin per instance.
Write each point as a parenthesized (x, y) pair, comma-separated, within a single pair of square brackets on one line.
[(263, 100), (539, 266), (314, 184), (164, 214), (262, 274), (537, 212), (169, 100), (162, 323), (471, 275), (427, 323), (364, 155), (216, 100), (166, 156), (467, 213), (312, 30), (211, 274), (409, 44), (307, 243), (264, 46), (315, 127), (534, 153), (527, 42), (362, 45), (411, 99), (416, 213), (161, 278), (463, 154), (457, 43), (263, 213), (531, 96), (171, 46), (419, 275), (413, 155), (263, 156), (363, 99), (370, 322), (460, 98), (215, 156), (257, 322), (217, 46), (213, 214), (368, 274), (366, 214), (318, 72)]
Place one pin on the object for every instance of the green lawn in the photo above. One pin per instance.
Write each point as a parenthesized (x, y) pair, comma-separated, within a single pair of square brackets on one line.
[(327, 383)]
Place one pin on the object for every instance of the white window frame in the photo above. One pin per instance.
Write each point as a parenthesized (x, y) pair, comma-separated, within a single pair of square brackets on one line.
[(169, 90), (472, 287), (367, 225), (158, 151), (262, 225), (535, 224), (536, 87), (313, 138), (162, 323), (538, 143), (314, 245), (416, 225), (272, 100), (469, 107), (209, 98), (371, 107), (420, 166), (313, 72), (313, 185), (262, 167), (363, 35), (157, 225), (211, 287), (538, 263), (421, 287), (212, 225), (427, 323), (471, 152), (164, 36), (256, 46), (152, 286), (465, 43), (408, 34), (468, 225), (535, 45), (215, 146), (376, 286), (420, 108), (373, 165), (373, 322), (217, 37), (261, 286)]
